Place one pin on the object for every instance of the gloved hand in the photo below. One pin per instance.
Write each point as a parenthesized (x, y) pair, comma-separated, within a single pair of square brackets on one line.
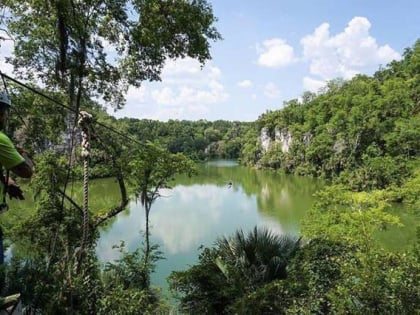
[(14, 191)]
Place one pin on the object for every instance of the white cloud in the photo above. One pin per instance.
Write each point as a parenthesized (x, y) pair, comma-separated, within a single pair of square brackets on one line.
[(181, 67), (312, 85), (137, 95), (275, 53), (245, 84), (187, 91), (272, 91), (347, 53)]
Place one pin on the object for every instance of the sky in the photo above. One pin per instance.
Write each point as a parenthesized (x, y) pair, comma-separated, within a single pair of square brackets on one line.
[(274, 50)]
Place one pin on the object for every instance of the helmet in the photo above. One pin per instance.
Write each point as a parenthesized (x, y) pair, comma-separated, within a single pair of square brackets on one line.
[(4, 99)]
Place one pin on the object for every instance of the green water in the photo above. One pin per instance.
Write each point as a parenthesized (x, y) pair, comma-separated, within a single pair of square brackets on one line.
[(222, 198)]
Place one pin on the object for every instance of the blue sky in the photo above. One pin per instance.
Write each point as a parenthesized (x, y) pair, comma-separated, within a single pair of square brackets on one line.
[(272, 52)]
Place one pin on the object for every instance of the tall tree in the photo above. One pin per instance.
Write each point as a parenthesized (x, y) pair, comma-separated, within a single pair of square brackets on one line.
[(151, 173), (101, 47)]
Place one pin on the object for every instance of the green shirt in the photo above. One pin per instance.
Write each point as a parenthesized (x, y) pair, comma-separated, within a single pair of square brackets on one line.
[(9, 156)]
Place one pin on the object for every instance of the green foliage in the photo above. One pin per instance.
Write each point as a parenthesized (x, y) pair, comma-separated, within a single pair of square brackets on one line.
[(126, 287), (409, 191), (404, 138), (130, 270), (130, 302), (371, 281), (348, 217), (154, 168), (328, 277), (273, 158), (256, 258), (312, 273), (36, 124), (376, 173), (199, 140), (360, 132), (234, 267), (202, 289), (66, 44), (383, 283), (47, 248)]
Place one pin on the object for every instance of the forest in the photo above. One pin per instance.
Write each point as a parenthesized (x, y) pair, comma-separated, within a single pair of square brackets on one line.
[(360, 135)]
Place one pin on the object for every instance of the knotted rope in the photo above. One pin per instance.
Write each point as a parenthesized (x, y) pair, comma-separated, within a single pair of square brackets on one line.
[(84, 121)]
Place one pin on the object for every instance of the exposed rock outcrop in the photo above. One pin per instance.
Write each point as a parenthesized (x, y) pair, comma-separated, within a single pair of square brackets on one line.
[(284, 137), (281, 136)]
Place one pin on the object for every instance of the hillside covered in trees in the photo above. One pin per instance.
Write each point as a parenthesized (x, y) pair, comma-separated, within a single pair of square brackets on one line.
[(364, 132)]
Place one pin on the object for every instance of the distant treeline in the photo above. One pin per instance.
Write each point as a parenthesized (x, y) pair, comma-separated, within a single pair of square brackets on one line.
[(199, 140)]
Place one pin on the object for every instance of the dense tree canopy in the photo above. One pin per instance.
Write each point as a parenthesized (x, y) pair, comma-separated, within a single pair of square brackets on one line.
[(101, 47), (360, 132)]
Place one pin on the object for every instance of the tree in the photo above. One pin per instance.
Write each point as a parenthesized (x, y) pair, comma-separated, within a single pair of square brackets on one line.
[(123, 291), (100, 48), (150, 173)]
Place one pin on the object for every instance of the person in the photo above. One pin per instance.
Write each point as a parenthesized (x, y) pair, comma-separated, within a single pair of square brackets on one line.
[(11, 158)]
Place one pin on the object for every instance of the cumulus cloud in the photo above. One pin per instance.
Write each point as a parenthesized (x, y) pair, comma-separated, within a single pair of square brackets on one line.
[(187, 91), (245, 83), (275, 53), (271, 90), (188, 88), (344, 55)]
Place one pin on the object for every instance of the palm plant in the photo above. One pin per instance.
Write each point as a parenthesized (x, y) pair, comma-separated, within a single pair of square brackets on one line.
[(256, 258)]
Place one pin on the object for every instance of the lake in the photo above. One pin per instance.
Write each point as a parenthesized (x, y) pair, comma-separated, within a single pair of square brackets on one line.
[(220, 199)]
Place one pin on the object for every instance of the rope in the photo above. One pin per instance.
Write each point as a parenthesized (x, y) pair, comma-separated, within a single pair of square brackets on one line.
[(84, 121)]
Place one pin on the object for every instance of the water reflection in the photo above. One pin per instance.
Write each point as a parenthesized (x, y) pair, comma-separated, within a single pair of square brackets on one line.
[(223, 197), (189, 217)]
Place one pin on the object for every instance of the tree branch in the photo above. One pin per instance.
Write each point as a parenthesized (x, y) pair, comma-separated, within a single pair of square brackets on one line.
[(74, 204), (124, 200)]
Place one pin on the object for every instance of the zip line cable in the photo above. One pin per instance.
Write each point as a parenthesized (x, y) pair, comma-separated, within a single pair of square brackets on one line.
[(121, 134)]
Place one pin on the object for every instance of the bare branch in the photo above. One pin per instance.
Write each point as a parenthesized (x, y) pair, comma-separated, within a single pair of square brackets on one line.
[(124, 199)]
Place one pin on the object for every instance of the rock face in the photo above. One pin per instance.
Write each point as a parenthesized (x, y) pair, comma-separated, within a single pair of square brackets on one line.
[(281, 136), (284, 137), (265, 139)]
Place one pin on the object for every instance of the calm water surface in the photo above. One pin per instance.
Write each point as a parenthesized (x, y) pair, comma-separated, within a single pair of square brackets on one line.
[(222, 198)]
